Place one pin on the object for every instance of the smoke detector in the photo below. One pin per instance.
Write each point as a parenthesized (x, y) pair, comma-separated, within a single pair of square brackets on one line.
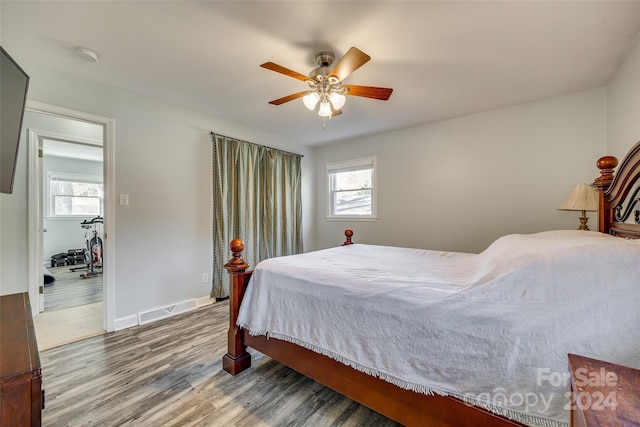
[(86, 54)]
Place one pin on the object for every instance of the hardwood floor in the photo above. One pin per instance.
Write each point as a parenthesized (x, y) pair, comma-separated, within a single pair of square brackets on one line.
[(59, 327), (73, 309), (71, 290), (169, 373)]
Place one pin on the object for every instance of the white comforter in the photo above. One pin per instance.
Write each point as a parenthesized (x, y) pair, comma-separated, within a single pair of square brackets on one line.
[(492, 328)]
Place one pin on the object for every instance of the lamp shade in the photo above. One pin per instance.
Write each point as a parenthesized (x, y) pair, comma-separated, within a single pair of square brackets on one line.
[(325, 109), (337, 100), (583, 197), (310, 100)]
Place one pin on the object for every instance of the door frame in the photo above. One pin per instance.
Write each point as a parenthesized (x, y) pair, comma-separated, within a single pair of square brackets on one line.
[(36, 267)]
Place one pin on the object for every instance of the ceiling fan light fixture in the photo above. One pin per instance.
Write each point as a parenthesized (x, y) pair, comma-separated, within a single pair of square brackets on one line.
[(325, 109), (337, 100), (325, 85), (310, 100)]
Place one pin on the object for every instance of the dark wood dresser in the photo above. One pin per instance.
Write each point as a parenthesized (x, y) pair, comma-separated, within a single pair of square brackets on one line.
[(21, 398), (603, 394)]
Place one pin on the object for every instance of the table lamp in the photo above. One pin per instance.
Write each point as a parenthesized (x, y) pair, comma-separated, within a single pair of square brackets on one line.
[(583, 198)]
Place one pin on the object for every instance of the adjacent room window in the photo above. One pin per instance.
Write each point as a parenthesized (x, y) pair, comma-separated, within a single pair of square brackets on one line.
[(352, 189), (74, 195)]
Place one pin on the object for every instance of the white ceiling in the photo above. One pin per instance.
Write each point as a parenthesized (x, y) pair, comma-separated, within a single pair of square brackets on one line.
[(442, 58)]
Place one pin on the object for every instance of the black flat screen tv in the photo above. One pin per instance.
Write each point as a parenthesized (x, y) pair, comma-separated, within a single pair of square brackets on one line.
[(14, 83)]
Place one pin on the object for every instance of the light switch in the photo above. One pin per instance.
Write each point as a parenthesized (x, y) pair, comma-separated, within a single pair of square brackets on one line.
[(124, 200)]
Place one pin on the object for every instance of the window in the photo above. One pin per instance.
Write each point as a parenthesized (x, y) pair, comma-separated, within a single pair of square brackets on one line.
[(352, 189), (74, 195)]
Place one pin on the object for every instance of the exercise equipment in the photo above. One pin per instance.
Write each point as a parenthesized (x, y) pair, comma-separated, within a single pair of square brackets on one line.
[(93, 251)]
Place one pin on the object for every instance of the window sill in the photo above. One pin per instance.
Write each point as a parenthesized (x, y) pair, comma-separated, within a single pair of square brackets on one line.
[(69, 217), (352, 218)]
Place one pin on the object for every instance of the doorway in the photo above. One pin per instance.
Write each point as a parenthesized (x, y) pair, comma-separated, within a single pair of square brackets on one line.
[(72, 200), (69, 210)]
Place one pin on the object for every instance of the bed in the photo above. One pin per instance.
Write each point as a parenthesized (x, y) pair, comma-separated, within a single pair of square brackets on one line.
[(496, 306)]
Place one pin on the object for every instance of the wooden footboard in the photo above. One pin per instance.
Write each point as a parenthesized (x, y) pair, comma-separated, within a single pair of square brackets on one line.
[(237, 358), (404, 406)]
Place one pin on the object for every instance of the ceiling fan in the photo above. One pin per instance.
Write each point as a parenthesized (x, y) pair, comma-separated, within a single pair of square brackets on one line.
[(325, 83)]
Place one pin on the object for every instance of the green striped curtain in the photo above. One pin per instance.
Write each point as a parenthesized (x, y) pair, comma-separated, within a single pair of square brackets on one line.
[(256, 198)]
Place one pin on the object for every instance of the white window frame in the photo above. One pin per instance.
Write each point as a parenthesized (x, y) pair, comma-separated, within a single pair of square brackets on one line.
[(51, 175), (352, 165)]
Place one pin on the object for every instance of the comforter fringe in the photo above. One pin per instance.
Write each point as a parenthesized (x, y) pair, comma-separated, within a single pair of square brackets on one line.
[(417, 388)]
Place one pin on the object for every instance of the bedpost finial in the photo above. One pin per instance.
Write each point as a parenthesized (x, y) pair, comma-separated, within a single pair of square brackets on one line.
[(606, 165), (236, 264), (348, 233), (237, 245)]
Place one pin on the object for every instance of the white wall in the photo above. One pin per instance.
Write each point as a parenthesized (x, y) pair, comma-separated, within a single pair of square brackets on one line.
[(459, 184), (14, 232), (623, 101), (163, 162)]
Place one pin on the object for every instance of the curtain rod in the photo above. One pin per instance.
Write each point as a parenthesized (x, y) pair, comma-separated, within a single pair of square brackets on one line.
[(259, 145)]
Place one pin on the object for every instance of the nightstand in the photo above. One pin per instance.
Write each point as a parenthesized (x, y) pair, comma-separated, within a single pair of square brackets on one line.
[(603, 394)]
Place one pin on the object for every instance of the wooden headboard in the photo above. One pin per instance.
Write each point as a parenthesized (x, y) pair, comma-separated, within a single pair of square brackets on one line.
[(619, 194)]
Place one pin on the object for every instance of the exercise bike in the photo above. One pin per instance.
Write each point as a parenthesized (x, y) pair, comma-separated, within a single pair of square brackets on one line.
[(93, 251)]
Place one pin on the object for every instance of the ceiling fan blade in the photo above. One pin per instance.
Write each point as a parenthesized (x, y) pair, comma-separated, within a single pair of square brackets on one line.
[(287, 98), (380, 93), (282, 70), (351, 61)]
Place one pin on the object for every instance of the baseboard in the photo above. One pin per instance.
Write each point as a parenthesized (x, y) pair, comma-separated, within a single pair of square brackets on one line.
[(125, 322), (201, 302)]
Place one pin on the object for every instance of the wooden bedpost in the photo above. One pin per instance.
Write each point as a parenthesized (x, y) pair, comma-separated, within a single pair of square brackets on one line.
[(606, 165), (237, 359), (348, 233)]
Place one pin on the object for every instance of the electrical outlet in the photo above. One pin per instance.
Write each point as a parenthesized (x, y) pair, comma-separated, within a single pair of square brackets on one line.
[(205, 278)]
